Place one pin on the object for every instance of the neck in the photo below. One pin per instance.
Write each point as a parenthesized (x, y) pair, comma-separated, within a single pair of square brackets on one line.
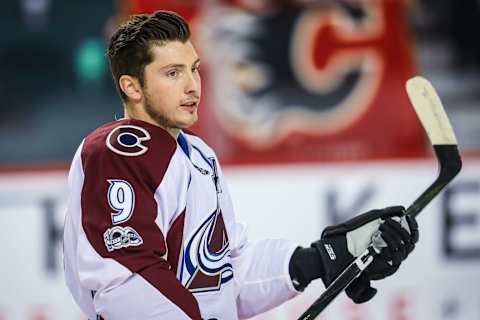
[(130, 114)]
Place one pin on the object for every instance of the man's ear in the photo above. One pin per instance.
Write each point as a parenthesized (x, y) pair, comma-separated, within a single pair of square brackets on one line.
[(131, 87)]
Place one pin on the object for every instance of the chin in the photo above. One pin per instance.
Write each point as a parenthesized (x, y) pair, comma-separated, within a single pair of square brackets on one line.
[(187, 123)]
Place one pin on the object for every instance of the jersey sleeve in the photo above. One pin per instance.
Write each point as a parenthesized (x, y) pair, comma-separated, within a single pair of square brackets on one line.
[(261, 267), (262, 271), (122, 250)]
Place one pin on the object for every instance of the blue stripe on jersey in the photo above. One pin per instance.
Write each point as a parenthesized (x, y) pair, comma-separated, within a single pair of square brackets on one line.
[(181, 265), (182, 142)]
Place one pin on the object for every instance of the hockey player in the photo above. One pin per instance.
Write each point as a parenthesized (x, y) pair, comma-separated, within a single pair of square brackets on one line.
[(150, 232)]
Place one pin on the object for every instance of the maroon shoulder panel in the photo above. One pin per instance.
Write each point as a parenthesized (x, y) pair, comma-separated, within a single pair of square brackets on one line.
[(123, 163)]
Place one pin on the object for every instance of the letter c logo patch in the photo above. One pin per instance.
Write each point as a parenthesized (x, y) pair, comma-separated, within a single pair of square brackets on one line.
[(128, 140)]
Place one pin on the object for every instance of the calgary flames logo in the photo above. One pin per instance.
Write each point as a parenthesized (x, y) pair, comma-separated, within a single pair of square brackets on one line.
[(314, 71), (207, 256)]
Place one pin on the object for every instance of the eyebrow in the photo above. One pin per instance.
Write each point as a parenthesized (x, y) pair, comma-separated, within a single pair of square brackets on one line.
[(179, 65)]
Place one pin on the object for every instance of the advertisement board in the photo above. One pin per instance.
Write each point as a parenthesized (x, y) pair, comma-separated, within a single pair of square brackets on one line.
[(310, 83)]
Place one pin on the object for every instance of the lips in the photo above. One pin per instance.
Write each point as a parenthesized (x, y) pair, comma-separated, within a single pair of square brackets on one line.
[(189, 106)]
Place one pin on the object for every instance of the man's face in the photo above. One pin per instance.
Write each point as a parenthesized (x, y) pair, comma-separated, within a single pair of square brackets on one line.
[(172, 85)]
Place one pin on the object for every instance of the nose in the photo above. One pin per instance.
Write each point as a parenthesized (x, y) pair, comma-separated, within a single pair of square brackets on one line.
[(193, 85)]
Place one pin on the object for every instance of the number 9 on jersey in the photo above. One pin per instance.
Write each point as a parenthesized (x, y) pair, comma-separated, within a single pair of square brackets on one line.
[(121, 199)]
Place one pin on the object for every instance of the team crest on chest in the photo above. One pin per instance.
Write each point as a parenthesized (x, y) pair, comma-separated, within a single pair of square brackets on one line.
[(207, 256), (127, 140)]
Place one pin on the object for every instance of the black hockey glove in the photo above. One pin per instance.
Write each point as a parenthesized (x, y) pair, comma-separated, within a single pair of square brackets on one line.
[(340, 244)]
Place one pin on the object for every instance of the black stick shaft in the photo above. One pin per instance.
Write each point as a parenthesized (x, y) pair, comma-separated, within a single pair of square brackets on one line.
[(339, 284), (335, 288), (450, 164)]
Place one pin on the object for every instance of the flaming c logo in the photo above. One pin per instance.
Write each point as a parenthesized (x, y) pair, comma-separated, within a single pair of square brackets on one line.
[(314, 71)]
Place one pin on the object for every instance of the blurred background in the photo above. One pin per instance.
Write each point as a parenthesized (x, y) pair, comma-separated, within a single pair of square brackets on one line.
[(304, 103)]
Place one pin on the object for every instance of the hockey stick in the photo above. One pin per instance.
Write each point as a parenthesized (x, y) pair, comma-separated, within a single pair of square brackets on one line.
[(434, 120)]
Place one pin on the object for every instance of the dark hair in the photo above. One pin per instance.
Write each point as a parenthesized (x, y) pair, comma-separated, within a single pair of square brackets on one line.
[(129, 50)]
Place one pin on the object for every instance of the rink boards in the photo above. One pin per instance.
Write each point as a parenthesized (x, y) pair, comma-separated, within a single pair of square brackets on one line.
[(441, 280)]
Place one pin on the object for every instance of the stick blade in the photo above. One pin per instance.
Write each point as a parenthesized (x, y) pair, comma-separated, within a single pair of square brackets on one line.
[(430, 111)]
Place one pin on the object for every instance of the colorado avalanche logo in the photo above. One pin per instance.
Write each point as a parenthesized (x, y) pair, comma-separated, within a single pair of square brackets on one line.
[(128, 140), (207, 256)]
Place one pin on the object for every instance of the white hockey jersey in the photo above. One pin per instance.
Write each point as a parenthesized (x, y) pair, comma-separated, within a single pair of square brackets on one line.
[(150, 232)]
